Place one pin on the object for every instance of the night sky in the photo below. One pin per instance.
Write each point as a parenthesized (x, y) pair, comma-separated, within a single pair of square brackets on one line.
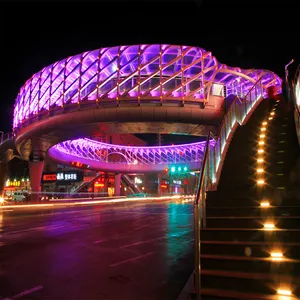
[(254, 34)]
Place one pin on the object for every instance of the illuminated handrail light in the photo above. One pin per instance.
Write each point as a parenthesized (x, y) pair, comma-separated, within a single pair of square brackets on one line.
[(262, 136), (260, 150), (260, 170), (270, 118), (263, 129), (260, 160), (272, 113), (260, 182), (265, 204), (261, 143), (264, 123), (284, 292), (277, 256), (269, 226)]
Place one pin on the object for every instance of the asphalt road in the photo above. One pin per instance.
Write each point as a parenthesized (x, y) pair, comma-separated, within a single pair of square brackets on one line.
[(124, 251)]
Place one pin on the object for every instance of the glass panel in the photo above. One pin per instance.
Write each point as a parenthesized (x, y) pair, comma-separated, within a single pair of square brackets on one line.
[(72, 64), (72, 93), (90, 59), (148, 54), (56, 98)]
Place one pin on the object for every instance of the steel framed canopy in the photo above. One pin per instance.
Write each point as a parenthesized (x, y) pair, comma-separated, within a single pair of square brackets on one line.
[(136, 74)]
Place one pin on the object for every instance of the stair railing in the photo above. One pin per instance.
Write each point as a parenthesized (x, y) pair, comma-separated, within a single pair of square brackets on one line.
[(132, 183), (238, 114), (5, 136), (214, 155), (291, 86), (199, 213)]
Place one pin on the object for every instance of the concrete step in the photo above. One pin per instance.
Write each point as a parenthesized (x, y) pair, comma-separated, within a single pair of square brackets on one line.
[(245, 234), (221, 294), (283, 222), (255, 211), (250, 264), (248, 282), (250, 249), (276, 196)]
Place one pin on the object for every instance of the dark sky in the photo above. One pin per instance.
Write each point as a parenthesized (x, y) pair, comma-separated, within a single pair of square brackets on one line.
[(247, 34)]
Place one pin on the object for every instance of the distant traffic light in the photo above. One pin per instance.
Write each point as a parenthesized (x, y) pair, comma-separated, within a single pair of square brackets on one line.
[(179, 169)]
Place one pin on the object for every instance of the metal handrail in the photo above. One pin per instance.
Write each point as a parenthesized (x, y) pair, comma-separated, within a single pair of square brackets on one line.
[(233, 113), (292, 97), (293, 83), (5, 137), (205, 175), (296, 74), (200, 197), (204, 162)]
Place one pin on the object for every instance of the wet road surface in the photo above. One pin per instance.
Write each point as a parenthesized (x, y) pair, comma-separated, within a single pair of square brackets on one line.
[(124, 251)]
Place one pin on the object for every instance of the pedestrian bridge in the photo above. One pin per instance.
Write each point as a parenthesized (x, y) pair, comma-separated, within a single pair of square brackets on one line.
[(130, 89), (135, 89)]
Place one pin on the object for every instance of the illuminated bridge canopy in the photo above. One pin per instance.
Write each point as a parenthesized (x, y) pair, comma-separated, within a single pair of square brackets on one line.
[(138, 73), (86, 150)]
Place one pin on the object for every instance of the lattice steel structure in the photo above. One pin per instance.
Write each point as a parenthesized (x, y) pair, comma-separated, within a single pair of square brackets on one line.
[(106, 153), (138, 74)]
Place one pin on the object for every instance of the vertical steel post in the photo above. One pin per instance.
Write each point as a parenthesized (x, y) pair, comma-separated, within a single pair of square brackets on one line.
[(159, 174), (197, 218), (197, 227)]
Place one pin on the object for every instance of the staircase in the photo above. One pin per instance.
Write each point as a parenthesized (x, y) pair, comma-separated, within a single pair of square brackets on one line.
[(236, 261), (84, 185), (130, 184)]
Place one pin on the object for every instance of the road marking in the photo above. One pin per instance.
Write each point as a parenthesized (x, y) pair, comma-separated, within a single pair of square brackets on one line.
[(27, 292), (156, 239), (143, 242), (122, 236), (130, 259)]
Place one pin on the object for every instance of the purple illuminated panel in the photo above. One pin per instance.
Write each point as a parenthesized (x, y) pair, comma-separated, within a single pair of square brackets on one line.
[(160, 72), (96, 151)]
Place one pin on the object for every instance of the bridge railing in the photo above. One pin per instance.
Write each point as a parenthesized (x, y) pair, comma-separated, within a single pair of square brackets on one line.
[(5, 137), (293, 87), (214, 156), (238, 114)]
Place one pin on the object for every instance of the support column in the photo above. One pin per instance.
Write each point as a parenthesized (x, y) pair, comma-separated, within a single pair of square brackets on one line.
[(3, 176), (159, 184), (117, 184), (35, 172), (159, 140), (36, 167), (105, 188)]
